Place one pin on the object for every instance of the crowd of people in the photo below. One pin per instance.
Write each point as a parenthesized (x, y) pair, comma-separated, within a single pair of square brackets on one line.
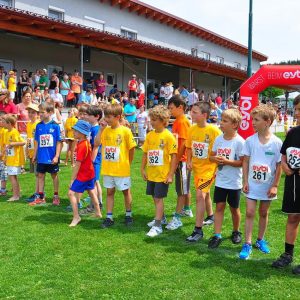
[(101, 140)]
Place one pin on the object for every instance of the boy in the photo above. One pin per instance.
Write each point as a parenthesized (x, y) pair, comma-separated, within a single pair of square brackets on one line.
[(3, 168), (290, 163), (82, 112), (226, 153), (159, 156), (117, 151), (200, 140), (83, 176), (180, 129), (47, 148), (14, 155), (33, 114), (261, 175)]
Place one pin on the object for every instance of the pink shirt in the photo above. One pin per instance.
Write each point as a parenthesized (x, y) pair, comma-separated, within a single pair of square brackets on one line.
[(100, 86), (22, 117), (9, 108)]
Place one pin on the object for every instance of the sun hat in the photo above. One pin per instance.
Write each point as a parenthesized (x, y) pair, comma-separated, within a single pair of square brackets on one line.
[(83, 127), (33, 107)]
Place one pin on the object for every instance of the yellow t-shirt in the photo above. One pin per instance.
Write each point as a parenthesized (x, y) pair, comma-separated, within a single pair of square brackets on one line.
[(15, 155), (11, 84), (30, 137), (201, 141), (3, 132), (70, 122), (159, 146), (116, 144)]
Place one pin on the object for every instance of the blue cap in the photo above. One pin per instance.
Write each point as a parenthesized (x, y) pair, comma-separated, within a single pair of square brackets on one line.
[(83, 127)]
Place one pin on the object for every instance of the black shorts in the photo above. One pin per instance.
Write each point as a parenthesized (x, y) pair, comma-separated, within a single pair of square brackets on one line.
[(231, 196), (157, 189), (291, 195), (182, 179), (133, 94), (47, 168)]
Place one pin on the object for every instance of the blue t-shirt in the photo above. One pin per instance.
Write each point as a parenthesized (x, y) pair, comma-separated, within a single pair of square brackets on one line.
[(47, 135), (128, 109), (94, 131), (184, 93)]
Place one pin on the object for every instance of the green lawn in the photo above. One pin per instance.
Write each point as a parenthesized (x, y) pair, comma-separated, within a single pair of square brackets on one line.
[(42, 258)]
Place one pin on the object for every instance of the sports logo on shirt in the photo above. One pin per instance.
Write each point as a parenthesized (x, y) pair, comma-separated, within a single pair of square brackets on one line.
[(162, 144), (119, 139)]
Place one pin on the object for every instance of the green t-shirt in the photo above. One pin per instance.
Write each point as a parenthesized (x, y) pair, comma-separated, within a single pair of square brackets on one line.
[(43, 79)]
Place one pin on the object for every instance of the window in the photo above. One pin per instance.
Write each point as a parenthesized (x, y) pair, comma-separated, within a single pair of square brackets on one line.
[(110, 78), (56, 13), (7, 3), (194, 52), (128, 33), (237, 65), (245, 68), (220, 60), (205, 55), (94, 23)]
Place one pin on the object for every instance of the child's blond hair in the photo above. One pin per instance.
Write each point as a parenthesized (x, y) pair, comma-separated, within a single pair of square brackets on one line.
[(265, 112), (160, 112), (10, 119), (47, 106), (234, 115), (74, 110), (113, 110)]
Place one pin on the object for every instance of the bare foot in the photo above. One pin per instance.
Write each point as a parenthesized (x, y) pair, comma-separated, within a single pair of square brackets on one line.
[(75, 222), (97, 216), (12, 199)]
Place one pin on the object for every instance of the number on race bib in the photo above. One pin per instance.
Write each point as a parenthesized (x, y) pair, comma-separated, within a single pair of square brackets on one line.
[(112, 154), (200, 150), (293, 157), (260, 173), (30, 144), (46, 140), (155, 157), (10, 152)]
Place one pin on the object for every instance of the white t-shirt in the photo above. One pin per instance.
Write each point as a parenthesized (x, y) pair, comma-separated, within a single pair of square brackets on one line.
[(169, 92), (141, 88), (142, 118), (262, 165), (192, 98), (229, 177), (162, 92)]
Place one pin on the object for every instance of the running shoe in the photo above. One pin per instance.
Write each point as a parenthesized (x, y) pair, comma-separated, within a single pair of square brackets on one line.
[(38, 201), (284, 260), (107, 223), (32, 197), (246, 251), (128, 220), (3, 193), (164, 221), (214, 242), (195, 236), (174, 224), (262, 245), (186, 213), (296, 270), (209, 220), (236, 237), (55, 201), (154, 231)]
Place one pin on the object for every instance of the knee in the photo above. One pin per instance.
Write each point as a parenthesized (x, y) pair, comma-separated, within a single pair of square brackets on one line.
[(293, 220), (220, 208), (250, 213), (110, 193), (263, 213)]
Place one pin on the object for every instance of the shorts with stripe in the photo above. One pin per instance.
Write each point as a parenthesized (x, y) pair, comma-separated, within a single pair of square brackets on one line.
[(182, 179), (203, 184), (3, 171)]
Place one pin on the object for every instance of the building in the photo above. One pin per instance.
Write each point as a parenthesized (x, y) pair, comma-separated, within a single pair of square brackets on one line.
[(118, 38)]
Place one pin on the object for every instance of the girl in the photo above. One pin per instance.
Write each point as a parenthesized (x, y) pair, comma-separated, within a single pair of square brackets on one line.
[(70, 122)]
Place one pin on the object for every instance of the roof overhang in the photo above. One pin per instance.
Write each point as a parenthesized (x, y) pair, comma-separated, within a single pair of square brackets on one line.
[(20, 21)]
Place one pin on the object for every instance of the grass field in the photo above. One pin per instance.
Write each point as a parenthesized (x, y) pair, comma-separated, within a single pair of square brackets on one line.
[(42, 258)]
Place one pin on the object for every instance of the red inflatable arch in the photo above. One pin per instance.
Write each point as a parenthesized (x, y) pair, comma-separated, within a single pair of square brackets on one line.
[(286, 77)]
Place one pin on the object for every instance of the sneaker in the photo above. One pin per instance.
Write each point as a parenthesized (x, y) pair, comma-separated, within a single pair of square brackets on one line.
[(107, 223), (32, 197), (38, 201), (236, 237), (262, 245), (214, 242), (174, 224), (128, 220), (154, 231), (246, 251), (284, 260), (195, 236), (79, 205), (296, 270), (209, 220), (186, 213), (88, 210), (164, 221), (55, 201)]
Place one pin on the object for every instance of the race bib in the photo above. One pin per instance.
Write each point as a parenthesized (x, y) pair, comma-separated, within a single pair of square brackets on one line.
[(10, 152), (293, 157), (200, 150), (46, 140), (30, 143), (260, 173), (155, 158), (225, 152), (112, 154)]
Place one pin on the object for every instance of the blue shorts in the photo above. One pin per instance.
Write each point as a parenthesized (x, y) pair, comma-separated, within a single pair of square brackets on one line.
[(97, 169), (82, 186), (47, 168)]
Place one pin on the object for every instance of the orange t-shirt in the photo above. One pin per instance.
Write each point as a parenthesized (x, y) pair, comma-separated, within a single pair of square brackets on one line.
[(76, 87), (180, 130)]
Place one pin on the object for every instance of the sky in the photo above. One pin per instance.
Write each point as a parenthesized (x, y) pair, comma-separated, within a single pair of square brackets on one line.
[(276, 25)]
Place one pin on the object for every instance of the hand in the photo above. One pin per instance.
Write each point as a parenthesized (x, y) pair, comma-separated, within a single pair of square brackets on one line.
[(33, 159), (55, 160), (220, 160), (189, 166), (287, 170), (169, 179), (246, 188), (103, 123), (144, 175), (272, 192)]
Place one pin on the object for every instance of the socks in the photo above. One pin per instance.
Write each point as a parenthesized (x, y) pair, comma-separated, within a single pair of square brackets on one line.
[(109, 216), (128, 213), (177, 216), (187, 207), (219, 235), (157, 223), (197, 229), (41, 195), (289, 248)]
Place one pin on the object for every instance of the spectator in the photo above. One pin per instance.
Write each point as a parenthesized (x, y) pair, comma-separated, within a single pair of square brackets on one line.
[(7, 105), (12, 85), (100, 85), (54, 83), (192, 98), (76, 85), (132, 86), (141, 92), (130, 111), (37, 95), (57, 97), (114, 90), (22, 112), (43, 81), (65, 88), (168, 92), (184, 92), (219, 100), (23, 83)]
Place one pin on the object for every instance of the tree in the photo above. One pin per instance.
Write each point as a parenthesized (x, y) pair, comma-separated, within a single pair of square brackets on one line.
[(272, 92)]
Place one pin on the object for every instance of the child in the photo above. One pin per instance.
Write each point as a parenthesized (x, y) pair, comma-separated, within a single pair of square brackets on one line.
[(180, 129), (33, 114), (14, 155), (70, 122), (83, 177), (47, 148), (200, 140), (117, 152), (290, 163), (159, 159), (142, 121), (261, 175), (227, 153), (3, 168), (82, 112)]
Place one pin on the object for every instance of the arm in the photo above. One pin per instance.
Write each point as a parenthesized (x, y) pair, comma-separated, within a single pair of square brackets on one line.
[(15, 144), (222, 160), (75, 171), (245, 174), (57, 153), (131, 154), (272, 192), (181, 149), (34, 151), (189, 159), (143, 166), (94, 153), (173, 167), (285, 167)]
